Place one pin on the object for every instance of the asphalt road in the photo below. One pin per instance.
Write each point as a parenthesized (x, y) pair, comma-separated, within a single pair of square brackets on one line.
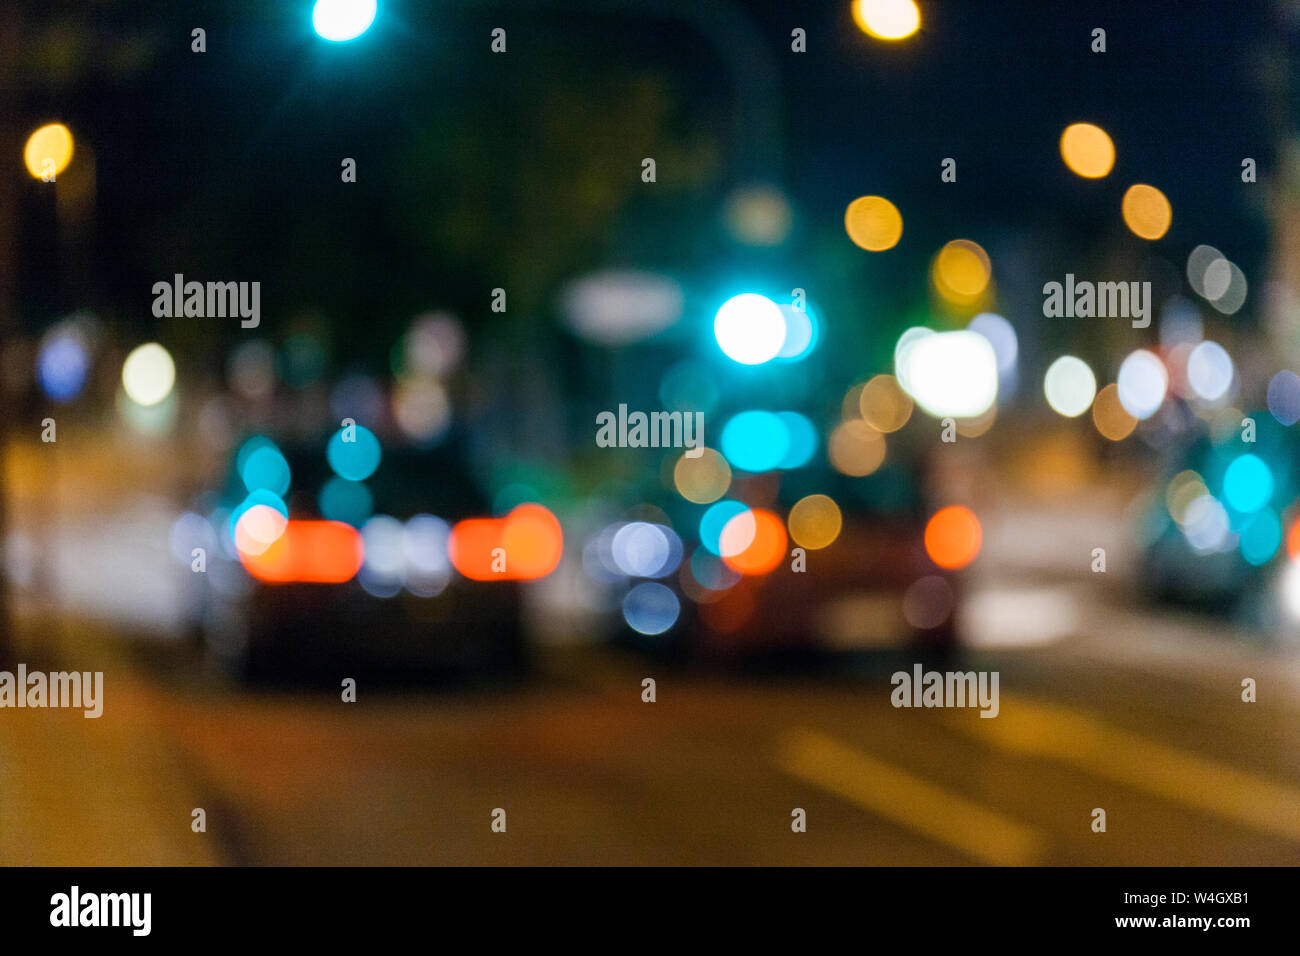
[(1103, 704), (1139, 714)]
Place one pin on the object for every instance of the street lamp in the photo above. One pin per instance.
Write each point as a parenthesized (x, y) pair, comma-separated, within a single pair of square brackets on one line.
[(887, 19), (48, 151), (341, 20)]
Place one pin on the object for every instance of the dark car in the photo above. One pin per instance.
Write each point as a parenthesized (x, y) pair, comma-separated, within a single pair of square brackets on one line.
[(874, 587), (1214, 536), (373, 621)]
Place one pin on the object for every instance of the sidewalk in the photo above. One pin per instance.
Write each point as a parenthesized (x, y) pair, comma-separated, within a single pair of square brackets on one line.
[(102, 791)]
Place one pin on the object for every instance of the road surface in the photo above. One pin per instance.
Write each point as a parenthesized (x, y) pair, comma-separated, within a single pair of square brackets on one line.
[(1138, 714)]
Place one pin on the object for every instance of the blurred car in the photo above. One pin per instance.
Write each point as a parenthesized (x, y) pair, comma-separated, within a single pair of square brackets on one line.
[(1215, 531), (874, 587), (405, 612)]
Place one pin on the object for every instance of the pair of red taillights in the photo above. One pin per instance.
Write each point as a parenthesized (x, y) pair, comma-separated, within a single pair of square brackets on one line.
[(522, 546)]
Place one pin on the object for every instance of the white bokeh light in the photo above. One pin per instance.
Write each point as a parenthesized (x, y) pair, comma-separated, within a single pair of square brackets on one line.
[(1205, 525), (640, 549), (1142, 383), (1070, 386), (1289, 588), (258, 528), (340, 20), (750, 328), (148, 374), (949, 373), (1199, 261), (903, 351), (1209, 371)]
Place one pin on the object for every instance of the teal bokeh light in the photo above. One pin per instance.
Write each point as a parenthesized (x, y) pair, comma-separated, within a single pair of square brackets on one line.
[(1261, 538), (266, 468), (357, 459), (714, 520), (755, 441), (802, 437), (348, 501), (1247, 484), (341, 20)]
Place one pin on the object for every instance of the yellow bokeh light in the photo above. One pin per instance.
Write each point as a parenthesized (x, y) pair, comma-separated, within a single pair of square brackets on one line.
[(884, 405), (873, 223), (815, 522), (48, 151), (887, 19), (961, 271), (704, 479), (1111, 418), (1087, 150), (855, 448), (1146, 211), (1184, 488), (850, 405)]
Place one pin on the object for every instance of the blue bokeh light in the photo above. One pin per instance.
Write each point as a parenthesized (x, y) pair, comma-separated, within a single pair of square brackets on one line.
[(651, 608), (62, 366)]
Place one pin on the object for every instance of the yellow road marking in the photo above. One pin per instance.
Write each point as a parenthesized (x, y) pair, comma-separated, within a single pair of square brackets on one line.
[(896, 795), (1071, 737)]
